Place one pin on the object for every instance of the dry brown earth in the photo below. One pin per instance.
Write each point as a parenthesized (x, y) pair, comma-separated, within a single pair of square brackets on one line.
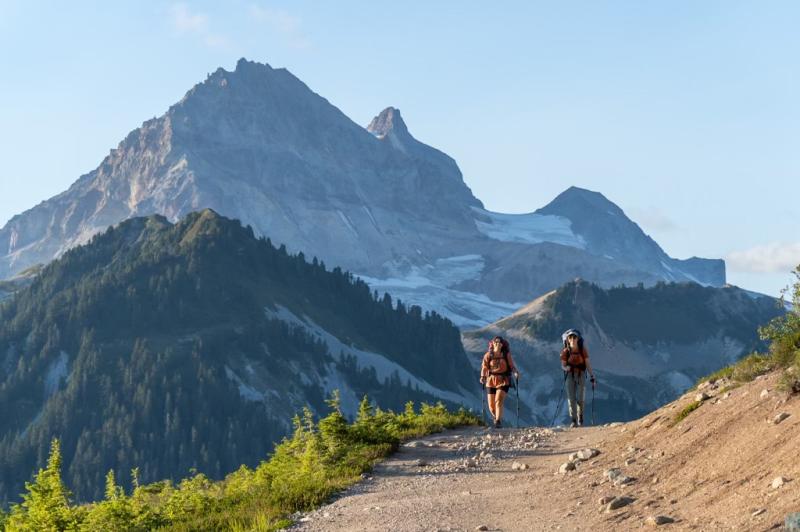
[(712, 471)]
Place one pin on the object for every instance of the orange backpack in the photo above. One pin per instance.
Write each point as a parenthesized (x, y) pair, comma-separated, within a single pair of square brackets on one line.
[(499, 365), (575, 360)]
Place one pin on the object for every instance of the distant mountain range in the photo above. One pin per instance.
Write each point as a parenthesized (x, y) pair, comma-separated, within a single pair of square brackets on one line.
[(169, 347), (647, 345), (258, 145)]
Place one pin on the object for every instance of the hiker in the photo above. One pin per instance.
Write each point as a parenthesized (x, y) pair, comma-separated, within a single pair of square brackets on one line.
[(575, 363), (496, 371)]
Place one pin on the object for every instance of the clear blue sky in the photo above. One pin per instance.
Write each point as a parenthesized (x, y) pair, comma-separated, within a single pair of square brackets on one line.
[(685, 113)]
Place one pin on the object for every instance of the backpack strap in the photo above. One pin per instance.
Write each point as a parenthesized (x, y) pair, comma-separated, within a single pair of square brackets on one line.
[(506, 373)]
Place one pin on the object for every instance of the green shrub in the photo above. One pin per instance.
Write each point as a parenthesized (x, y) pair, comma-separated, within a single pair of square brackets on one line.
[(724, 373), (319, 459), (783, 334)]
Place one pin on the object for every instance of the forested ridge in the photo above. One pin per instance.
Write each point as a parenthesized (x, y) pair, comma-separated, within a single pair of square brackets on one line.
[(665, 312), (123, 350)]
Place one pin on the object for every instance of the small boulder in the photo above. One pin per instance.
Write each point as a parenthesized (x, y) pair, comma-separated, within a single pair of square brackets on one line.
[(622, 480), (605, 500), (778, 482), (702, 396), (587, 454), (764, 394), (421, 463), (658, 520), (613, 473), (516, 466), (566, 467), (481, 527), (617, 503), (630, 461), (780, 417)]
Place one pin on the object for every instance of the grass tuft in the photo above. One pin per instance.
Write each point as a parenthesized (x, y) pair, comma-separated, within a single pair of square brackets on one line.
[(688, 409)]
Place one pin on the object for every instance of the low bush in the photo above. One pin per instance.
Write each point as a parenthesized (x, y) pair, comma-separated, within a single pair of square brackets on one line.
[(319, 459)]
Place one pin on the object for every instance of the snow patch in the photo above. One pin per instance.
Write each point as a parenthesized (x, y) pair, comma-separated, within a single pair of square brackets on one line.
[(467, 310), (430, 288), (528, 228), (371, 218), (694, 279), (347, 223), (56, 371), (384, 368), (10, 359), (246, 392)]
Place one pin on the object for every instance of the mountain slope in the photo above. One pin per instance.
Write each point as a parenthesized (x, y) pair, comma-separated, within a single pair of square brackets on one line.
[(191, 345), (647, 345), (609, 233), (712, 471), (256, 144)]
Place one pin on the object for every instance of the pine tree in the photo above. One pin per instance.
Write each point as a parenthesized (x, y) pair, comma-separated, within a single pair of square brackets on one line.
[(45, 507)]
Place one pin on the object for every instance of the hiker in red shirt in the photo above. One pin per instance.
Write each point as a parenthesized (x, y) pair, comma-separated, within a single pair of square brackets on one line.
[(496, 371), (575, 363)]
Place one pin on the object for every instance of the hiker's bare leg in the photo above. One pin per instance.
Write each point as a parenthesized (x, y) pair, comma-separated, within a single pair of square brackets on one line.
[(500, 398), (491, 401)]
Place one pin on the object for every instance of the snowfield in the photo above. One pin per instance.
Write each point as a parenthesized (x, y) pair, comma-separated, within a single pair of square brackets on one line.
[(528, 228)]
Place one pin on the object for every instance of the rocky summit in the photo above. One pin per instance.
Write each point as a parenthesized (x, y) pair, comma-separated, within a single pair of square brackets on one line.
[(258, 145)]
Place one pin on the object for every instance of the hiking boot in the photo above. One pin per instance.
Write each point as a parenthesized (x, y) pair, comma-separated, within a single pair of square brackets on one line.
[(580, 420), (573, 424), (498, 424)]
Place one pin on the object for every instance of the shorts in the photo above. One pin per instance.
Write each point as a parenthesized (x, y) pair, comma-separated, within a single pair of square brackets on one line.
[(492, 391)]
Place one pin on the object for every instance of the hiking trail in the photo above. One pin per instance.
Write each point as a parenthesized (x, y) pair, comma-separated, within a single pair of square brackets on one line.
[(727, 466)]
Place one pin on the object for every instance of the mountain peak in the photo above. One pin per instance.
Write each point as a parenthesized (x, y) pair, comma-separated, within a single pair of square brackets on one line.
[(388, 120), (574, 196)]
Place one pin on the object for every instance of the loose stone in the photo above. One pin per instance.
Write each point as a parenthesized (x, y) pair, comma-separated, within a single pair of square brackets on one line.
[(657, 520)]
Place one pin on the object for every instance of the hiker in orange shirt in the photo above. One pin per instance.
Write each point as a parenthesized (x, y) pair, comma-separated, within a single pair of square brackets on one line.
[(496, 371)]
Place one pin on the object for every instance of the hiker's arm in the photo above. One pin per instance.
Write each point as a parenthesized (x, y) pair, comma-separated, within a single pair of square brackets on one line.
[(484, 369), (564, 366)]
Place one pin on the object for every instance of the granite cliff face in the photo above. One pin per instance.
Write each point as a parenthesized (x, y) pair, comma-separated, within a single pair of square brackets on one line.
[(258, 145)]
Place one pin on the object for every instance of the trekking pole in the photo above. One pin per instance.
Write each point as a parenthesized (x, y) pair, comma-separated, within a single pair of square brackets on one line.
[(593, 383), (516, 385), (560, 396), (483, 403)]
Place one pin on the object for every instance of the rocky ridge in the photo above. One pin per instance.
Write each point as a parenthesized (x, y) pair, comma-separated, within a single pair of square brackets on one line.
[(258, 145)]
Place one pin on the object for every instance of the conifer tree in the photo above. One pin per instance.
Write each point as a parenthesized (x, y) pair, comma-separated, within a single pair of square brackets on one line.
[(45, 507)]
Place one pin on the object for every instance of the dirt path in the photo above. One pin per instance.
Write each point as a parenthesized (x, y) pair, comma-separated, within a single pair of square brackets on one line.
[(730, 464), (458, 489)]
